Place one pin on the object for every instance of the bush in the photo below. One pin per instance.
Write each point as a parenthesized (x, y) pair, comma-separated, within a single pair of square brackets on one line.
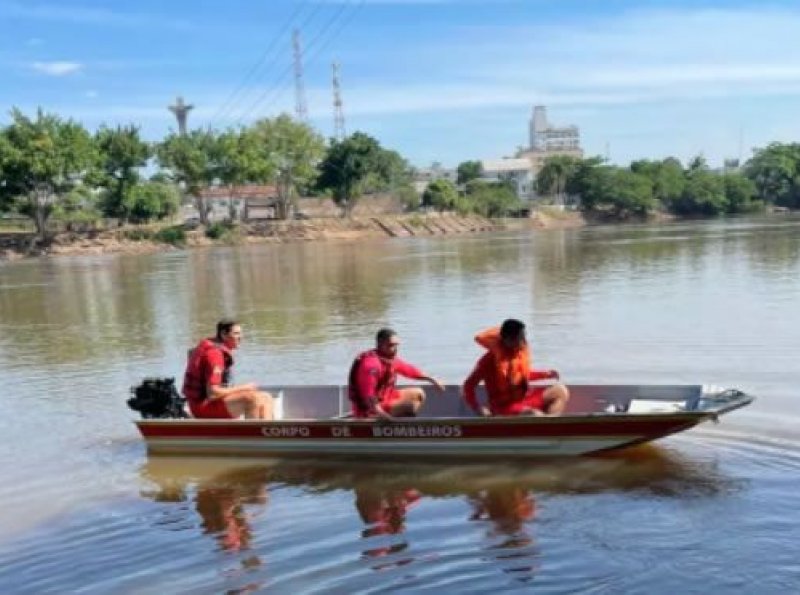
[(171, 235), (226, 231), (138, 234)]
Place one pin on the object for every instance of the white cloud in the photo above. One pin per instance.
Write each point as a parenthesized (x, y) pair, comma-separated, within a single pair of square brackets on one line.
[(57, 68)]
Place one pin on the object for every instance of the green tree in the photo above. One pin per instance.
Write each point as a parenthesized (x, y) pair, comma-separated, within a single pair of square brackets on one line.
[(188, 160), (739, 194), (292, 150), (775, 170), (553, 177), (238, 157), (440, 195), (704, 193), (122, 154), (80, 206), (42, 160), (468, 171), (614, 191), (346, 166), (491, 199), (148, 201)]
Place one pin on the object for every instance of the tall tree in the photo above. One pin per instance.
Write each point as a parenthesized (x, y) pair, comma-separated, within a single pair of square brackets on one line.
[(775, 170), (43, 159), (187, 158), (293, 150), (122, 154), (237, 158), (346, 166), (552, 178)]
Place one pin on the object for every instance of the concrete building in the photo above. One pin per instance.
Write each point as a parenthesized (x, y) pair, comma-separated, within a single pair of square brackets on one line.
[(548, 138), (246, 203)]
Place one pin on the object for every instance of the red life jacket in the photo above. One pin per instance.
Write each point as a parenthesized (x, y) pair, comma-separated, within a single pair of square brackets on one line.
[(365, 404), (199, 369)]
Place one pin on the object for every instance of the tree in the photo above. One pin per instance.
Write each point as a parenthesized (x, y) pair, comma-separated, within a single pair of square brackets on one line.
[(666, 176), (775, 171), (292, 149), (552, 178), (440, 195), (151, 200), (616, 191), (238, 157), (468, 171), (491, 199), (346, 167), (188, 160), (739, 194), (122, 155), (704, 193), (42, 160)]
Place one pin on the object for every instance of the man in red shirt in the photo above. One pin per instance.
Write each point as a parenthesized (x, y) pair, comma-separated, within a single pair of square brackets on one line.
[(506, 370), (371, 385), (206, 384)]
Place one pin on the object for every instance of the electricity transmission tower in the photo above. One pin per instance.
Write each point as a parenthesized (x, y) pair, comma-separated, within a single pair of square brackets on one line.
[(338, 106), (300, 107)]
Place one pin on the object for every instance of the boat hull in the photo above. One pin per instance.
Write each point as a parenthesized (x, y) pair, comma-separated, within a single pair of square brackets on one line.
[(418, 438), (312, 421)]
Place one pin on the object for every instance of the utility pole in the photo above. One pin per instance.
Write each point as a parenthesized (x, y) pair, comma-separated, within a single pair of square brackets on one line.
[(181, 110), (300, 107), (338, 106)]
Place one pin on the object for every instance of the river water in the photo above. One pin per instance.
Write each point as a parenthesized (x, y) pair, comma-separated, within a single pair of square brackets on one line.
[(82, 508)]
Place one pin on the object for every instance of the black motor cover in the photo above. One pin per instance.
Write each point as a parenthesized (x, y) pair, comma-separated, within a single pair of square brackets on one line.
[(157, 398)]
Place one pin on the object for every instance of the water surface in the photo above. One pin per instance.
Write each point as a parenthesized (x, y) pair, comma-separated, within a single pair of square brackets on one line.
[(83, 508)]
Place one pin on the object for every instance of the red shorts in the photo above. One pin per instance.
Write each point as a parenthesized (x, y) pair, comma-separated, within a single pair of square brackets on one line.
[(210, 409), (534, 399), (388, 399)]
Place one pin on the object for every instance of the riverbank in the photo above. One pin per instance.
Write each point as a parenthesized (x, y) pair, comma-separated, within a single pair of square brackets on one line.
[(140, 240)]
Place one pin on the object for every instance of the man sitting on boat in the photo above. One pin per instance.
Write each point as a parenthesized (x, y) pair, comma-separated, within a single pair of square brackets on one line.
[(371, 384), (506, 370), (206, 384)]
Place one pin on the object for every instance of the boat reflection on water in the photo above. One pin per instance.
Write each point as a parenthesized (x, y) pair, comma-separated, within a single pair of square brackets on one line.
[(231, 495)]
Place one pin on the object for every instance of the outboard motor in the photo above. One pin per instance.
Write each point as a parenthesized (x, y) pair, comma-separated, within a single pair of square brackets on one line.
[(157, 398)]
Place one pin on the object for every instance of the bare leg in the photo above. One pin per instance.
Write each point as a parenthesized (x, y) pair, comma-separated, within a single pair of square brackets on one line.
[(411, 399), (555, 399), (253, 405)]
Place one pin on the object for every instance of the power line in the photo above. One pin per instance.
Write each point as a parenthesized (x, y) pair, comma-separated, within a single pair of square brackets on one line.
[(270, 95), (342, 25), (274, 49)]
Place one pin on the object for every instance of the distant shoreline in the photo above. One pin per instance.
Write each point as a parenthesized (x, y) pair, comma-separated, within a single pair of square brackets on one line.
[(16, 246)]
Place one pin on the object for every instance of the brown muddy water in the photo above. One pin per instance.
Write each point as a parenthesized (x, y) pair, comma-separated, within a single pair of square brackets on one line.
[(717, 509)]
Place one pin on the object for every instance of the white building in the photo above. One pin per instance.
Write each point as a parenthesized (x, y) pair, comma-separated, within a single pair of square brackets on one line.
[(517, 171)]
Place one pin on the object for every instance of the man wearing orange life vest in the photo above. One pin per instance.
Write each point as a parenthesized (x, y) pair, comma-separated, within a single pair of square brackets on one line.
[(506, 371), (206, 384), (373, 374)]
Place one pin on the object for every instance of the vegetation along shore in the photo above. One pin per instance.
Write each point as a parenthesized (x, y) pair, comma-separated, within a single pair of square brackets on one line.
[(66, 190)]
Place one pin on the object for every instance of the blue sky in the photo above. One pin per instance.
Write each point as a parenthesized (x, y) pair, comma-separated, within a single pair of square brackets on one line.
[(445, 80)]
